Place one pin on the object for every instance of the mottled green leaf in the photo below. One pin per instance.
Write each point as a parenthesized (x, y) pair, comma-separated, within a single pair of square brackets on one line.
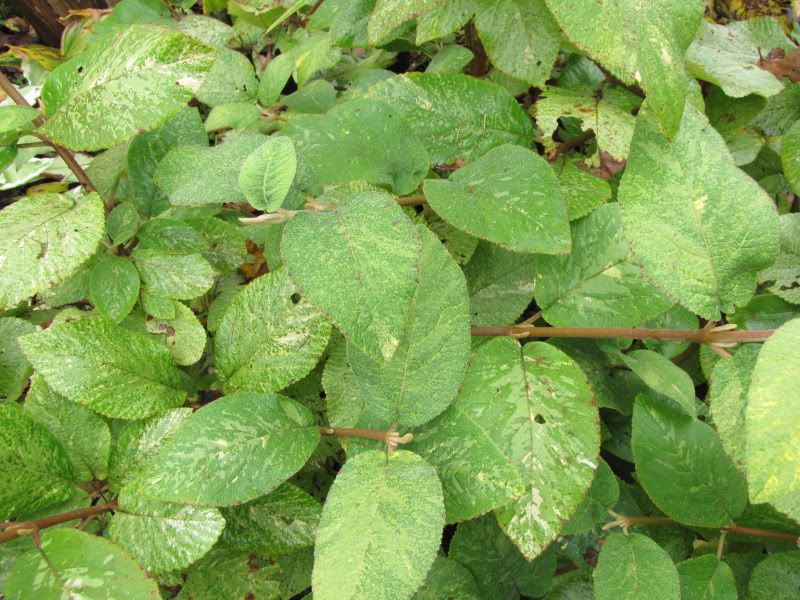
[(179, 276), (36, 470), (424, 374), (111, 370), (192, 175), (790, 156), (536, 404), (500, 284), (104, 96), (772, 422), (730, 56), (14, 367), (521, 37), (225, 574), (232, 450), (184, 336), (268, 172), (601, 496), (499, 569), (388, 15), (600, 283), (85, 437), (163, 536), (681, 465), (283, 521), (706, 578), (114, 287), (582, 191), (476, 476), (632, 567), (360, 140), (776, 577), (664, 377), (15, 120), (510, 197), (44, 239), (269, 336), (359, 263), (376, 498), (231, 79), (644, 39), (785, 273), (75, 564), (455, 116), (727, 399), (448, 579), (692, 246)]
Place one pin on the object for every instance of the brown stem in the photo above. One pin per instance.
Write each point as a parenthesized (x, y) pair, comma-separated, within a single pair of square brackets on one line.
[(574, 142), (699, 336), (12, 531), (391, 438), (12, 92), (412, 201), (732, 528), (313, 9)]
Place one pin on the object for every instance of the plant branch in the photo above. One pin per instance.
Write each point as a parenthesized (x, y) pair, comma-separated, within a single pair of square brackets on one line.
[(412, 201), (391, 438), (624, 522), (722, 336), (13, 530), (12, 92), (569, 145)]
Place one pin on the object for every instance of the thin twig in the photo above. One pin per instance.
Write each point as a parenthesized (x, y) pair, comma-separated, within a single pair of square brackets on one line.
[(12, 92), (12, 530), (412, 201), (391, 438), (573, 143)]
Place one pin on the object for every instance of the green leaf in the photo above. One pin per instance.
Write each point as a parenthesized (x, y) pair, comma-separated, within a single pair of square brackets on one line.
[(455, 116), (376, 498), (359, 263), (448, 579), (536, 404), (776, 577), (644, 40), (508, 196), (182, 277), (727, 399), (476, 476), (232, 450), (225, 574), (706, 578), (186, 179), (632, 567), (268, 337), (15, 120), (500, 284), (497, 566), (450, 59), (114, 287), (773, 422), (163, 536), (730, 56), (600, 283), (184, 336), (360, 140), (683, 468), (664, 377), (14, 367), (785, 273), (283, 521), (268, 172), (424, 374), (36, 470), (520, 37), (593, 509), (104, 96), (231, 79), (169, 235), (790, 156), (147, 150), (122, 223), (137, 443), (692, 246), (608, 111), (74, 564), (113, 371), (582, 191), (85, 437), (390, 14), (44, 239)]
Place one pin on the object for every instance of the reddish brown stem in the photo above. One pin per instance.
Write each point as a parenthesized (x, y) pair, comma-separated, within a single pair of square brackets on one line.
[(12, 92), (370, 434), (12, 531), (412, 201), (700, 336)]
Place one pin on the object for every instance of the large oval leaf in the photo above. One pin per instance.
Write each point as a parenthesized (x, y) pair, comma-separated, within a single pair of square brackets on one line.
[(536, 404), (232, 450), (376, 498)]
